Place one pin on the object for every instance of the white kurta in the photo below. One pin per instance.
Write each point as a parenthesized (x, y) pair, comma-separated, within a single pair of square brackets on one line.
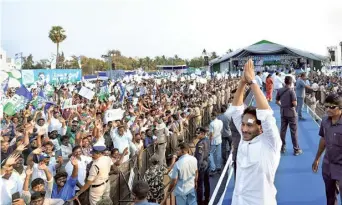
[(257, 161)]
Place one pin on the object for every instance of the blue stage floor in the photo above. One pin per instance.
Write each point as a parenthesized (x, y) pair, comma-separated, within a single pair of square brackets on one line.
[(295, 182)]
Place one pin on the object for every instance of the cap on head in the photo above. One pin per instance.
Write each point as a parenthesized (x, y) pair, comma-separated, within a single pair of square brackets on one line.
[(99, 149)]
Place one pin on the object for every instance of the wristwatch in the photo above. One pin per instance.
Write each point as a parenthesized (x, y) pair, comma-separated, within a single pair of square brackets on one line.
[(252, 82)]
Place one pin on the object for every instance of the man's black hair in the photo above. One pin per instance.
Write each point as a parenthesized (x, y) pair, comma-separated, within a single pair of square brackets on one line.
[(140, 190), (334, 99), (37, 181), (252, 111)]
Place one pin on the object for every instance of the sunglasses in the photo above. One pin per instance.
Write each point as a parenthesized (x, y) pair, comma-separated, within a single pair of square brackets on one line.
[(332, 107)]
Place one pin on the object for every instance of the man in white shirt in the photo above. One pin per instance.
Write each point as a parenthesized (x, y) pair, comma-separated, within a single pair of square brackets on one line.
[(215, 137), (10, 183), (184, 177), (83, 161), (121, 141), (278, 82), (258, 79), (258, 155)]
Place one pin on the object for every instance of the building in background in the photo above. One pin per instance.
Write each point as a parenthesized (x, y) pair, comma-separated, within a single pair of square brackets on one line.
[(6, 62), (267, 54), (335, 54)]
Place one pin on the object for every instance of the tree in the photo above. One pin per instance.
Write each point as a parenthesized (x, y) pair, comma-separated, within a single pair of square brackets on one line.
[(28, 62), (213, 55), (90, 65), (61, 60), (72, 63), (230, 50), (42, 64), (57, 36)]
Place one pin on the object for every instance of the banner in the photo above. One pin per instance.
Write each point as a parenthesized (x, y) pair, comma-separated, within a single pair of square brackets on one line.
[(14, 105), (67, 103), (112, 115), (87, 93), (52, 77)]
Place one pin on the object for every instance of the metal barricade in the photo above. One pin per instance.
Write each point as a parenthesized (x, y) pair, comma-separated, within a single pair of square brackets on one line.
[(120, 192)]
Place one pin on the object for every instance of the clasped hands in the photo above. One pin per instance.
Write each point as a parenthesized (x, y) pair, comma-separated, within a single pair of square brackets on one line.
[(248, 72)]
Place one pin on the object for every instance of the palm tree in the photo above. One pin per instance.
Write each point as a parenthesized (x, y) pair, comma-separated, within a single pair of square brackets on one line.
[(57, 35)]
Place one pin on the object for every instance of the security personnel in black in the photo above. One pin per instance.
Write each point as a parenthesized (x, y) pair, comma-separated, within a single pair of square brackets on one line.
[(287, 100), (202, 156)]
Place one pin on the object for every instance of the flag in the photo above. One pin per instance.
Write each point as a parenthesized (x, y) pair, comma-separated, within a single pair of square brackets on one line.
[(48, 105), (41, 94), (103, 93), (22, 91), (4, 85), (14, 105), (9, 109), (122, 92)]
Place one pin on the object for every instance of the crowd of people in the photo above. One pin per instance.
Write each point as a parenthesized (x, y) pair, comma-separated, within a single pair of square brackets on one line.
[(52, 154), (56, 154)]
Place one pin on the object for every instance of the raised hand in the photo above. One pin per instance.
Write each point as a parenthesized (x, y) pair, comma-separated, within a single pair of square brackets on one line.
[(21, 147), (249, 73), (61, 120), (12, 159), (19, 201), (29, 171), (125, 152), (42, 166), (73, 161), (37, 151)]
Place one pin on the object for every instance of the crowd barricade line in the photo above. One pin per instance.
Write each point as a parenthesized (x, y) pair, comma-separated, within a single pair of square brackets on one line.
[(140, 163)]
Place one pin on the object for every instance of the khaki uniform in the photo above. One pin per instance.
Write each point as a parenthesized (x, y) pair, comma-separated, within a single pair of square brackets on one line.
[(99, 174)]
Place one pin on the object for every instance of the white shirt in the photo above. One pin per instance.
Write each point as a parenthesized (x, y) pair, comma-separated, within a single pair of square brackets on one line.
[(8, 187), (185, 171), (215, 127), (257, 161), (37, 173), (43, 128), (278, 83), (259, 81), (66, 151), (82, 169), (55, 124), (121, 142), (139, 146)]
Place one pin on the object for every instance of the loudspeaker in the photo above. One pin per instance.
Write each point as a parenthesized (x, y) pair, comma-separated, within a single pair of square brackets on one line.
[(332, 55)]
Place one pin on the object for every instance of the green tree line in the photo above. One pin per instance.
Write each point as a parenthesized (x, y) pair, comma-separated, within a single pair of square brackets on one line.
[(90, 65)]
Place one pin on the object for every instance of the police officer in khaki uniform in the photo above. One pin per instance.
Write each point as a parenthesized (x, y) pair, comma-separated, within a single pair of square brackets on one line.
[(331, 141), (98, 177), (287, 100)]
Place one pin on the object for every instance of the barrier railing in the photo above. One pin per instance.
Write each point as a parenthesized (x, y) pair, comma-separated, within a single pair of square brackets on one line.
[(122, 179), (140, 163)]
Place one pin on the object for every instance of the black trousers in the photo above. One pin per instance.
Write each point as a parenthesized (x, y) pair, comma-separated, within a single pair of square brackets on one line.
[(292, 122), (226, 147), (332, 188), (203, 186)]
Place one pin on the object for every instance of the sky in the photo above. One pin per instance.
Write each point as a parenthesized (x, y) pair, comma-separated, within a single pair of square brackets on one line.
[(167, 27)]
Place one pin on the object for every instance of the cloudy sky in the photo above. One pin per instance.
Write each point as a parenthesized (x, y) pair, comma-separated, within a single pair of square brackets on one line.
[(167, 27)]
